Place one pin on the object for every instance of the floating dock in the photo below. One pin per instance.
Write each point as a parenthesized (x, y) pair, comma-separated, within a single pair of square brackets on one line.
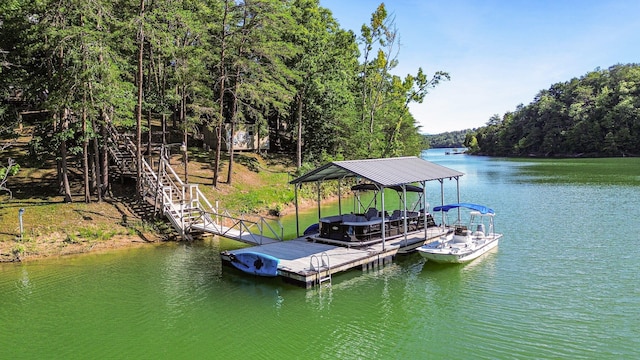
[(308, 262)]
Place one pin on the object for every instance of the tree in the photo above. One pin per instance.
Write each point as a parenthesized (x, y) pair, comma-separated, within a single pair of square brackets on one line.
[(385, 98), (11, 168), (374, 74), (259, 77), (70, 64), (471, 143), (412, 89), (140, 84), (321, 85), (220, 74)]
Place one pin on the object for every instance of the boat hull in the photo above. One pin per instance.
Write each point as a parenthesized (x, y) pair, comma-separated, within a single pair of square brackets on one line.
[(256, 263), (446, 252)]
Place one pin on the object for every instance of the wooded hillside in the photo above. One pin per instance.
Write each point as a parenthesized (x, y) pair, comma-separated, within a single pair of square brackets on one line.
[(205, 69), (597, 114), (451, 139)]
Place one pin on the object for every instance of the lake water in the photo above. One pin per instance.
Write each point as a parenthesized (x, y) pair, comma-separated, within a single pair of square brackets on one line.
[(563, 284)]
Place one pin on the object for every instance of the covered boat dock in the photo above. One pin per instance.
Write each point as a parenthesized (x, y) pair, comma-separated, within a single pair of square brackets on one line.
[(404, 174), (347, 241)]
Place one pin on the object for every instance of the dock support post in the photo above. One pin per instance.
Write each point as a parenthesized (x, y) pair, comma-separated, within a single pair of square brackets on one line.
[(319, 191), (383, 227), (295, 190)]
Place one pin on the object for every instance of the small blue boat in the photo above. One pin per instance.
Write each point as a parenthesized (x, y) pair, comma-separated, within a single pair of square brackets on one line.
[(255, 263)]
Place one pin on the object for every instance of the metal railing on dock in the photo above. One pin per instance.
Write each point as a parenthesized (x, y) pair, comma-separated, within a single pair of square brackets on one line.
[(241, 228)]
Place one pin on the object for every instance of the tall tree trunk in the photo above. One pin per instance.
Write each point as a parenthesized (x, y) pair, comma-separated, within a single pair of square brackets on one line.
[(85, 151), (85, 132), (185, 132), (163, 90), (299, 119), (139, 105), (96, 163), (216, 162), (149, 136), (56, 128), (150, 76), (230, 169), (185, 155), (164, 129), (223, 79), (258, 136), (66, 189), (234, 112), (105, 156), (96, 181)]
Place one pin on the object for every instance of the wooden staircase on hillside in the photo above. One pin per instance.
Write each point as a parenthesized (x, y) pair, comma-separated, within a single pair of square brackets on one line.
[(184, 205)]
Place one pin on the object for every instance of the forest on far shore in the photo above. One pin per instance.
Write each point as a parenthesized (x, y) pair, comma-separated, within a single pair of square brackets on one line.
[(450, 139), (596, 115)]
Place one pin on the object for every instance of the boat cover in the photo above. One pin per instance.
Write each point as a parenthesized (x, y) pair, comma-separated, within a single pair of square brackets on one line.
[(481, 208)]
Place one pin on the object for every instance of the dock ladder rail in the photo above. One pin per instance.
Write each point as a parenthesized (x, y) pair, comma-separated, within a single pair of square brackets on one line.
[(320, 265)]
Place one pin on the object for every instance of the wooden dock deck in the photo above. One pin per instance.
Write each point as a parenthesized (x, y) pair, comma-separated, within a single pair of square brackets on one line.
[(307, 263)]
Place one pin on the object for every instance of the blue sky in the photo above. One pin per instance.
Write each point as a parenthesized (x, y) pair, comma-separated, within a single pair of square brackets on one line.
[(499, 53)]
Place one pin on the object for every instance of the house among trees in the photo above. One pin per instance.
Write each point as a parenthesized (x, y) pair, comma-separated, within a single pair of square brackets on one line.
[(246, 137)]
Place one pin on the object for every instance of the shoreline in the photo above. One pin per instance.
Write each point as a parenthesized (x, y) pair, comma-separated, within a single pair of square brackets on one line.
[(54, 228), (56, 244)]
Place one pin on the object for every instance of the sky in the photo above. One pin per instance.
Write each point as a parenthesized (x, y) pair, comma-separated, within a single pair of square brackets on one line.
[(499, 53)]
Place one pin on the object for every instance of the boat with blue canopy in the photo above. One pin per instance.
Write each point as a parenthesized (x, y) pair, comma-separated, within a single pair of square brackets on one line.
[(465, 241), (480, 208)]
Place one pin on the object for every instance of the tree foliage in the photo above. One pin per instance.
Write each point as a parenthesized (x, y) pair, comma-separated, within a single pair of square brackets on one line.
[(451, 139), (10, 167), (319, 91), (597, 114)]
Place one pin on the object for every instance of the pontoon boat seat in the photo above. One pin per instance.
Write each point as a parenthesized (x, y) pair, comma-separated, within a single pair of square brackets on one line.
[(372, 212)]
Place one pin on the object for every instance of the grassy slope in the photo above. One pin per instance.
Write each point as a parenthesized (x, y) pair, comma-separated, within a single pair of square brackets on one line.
[(52, 227)]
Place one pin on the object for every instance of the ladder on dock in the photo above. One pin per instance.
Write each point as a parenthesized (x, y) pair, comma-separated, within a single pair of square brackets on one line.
[(320, 265), (184, 205)]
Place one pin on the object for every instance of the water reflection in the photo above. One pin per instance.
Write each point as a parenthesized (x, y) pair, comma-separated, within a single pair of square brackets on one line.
[(24, 286), (561, 284)]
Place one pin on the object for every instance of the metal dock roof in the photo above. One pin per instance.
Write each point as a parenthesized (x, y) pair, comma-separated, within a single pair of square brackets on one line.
[(385, 172)]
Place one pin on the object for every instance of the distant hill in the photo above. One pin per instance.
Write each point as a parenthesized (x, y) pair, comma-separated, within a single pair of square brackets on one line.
[(452, 139), (595, 115)]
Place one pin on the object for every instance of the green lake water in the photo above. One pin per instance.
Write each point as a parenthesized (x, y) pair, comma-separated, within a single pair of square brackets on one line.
[(563, 284)]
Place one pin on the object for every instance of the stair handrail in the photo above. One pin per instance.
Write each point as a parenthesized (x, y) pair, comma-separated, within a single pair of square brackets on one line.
[(150, 178), (199, 196), (180, 187), (169, 209), (172, 172)]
